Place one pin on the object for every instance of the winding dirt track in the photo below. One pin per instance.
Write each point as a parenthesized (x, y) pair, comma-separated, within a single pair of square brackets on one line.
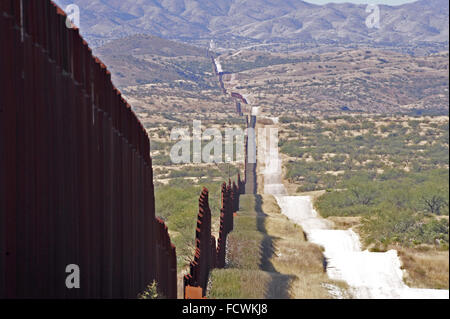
[(370, 275)]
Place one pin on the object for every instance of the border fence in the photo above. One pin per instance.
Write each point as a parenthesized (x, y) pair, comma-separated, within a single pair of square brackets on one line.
[(76, 179), (207, 255)]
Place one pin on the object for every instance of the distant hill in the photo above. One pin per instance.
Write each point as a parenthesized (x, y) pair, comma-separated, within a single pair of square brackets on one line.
[(142, 59), (368, 81), (149, 45), (158, 75), (421, 26)]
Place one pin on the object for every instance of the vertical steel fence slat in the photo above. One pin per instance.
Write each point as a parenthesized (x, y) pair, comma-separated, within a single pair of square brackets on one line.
[(76, 179)]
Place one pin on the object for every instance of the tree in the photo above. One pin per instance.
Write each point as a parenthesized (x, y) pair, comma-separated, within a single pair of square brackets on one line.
[(434, 197), (434, 203), (363, 189)]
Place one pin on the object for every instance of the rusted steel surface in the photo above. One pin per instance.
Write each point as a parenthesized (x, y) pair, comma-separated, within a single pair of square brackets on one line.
[(226, 225), (204, 257), (222, 85), (239, 109), (193, 292), (207, 255), (76, 181), (239, 96)]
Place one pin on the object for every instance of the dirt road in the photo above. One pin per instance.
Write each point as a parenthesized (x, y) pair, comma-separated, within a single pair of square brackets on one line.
[(370, 275)]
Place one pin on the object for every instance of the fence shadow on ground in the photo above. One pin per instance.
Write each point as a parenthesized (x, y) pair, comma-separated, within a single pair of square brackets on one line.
[(280, 283)]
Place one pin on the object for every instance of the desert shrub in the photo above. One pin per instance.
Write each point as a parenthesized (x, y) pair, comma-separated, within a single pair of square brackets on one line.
[(307, 187), (292, 148), (391, 225), (177, 204), (151, 292)]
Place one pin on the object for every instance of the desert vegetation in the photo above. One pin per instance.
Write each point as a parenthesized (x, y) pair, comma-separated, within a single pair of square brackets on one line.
[(390, 173), (369, 81), (178, 186)]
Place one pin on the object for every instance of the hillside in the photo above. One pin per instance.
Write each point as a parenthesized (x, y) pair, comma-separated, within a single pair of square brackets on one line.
[(149, 45), (419, 27), (356, 80), (142, 59), (159, 75)]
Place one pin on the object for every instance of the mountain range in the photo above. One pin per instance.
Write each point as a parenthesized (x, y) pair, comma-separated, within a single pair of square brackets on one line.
[(421, 26)]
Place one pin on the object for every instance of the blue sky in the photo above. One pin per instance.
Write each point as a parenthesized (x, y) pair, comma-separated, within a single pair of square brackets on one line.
[(389, 2)]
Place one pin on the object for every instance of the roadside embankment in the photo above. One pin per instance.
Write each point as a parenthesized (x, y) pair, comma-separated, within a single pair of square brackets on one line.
[(268, 257)]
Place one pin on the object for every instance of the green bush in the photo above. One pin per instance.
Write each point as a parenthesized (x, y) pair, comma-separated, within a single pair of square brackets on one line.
[(177, 204), (390, 225), (151, 292)]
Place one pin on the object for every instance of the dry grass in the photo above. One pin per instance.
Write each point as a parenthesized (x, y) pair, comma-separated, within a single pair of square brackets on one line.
[(268, 257), (237, 283), (265, 121), (425, 267), (249, 274), (345, 222)]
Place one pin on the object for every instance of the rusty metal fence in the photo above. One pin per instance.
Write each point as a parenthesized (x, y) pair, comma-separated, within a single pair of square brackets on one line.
[(76, 183), (207, 255)]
